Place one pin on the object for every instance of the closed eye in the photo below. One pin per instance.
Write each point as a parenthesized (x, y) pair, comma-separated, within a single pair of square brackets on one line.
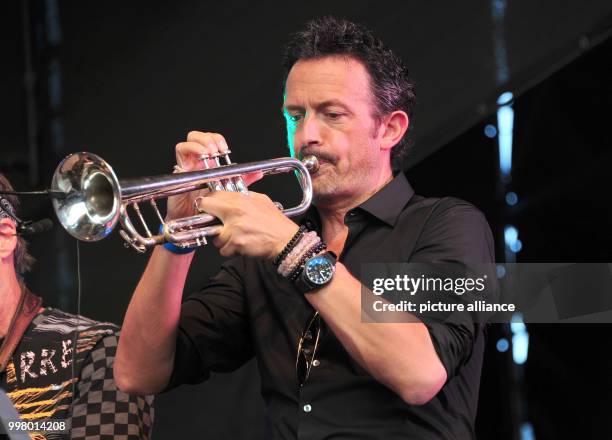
[(334, 115)]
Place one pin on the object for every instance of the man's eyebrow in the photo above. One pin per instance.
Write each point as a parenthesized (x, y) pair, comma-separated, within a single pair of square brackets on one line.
[(292, 107), (318, 106), (333, 103)]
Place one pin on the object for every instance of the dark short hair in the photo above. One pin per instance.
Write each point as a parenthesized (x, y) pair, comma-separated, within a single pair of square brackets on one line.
[(23, 260), (392, 87)]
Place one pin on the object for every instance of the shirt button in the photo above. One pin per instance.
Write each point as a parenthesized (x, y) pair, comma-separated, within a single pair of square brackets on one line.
[(316, 363), (307, 408)]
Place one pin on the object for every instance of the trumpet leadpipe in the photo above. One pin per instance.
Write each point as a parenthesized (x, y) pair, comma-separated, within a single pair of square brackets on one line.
[(92, 200)]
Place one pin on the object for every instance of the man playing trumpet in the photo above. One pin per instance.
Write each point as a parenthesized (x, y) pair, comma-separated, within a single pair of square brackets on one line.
[(291, 296)]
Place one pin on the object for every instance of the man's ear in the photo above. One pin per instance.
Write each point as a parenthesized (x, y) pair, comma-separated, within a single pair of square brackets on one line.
[(8, 237), (393, 128)]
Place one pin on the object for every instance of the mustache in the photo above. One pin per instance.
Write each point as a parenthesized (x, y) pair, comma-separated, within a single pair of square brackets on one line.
[(321, 155)]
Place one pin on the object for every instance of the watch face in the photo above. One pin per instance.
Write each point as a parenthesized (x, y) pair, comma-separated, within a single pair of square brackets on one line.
[(319, 270)]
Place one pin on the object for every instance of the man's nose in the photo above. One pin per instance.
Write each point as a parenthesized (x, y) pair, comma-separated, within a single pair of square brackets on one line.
[(311, 130)]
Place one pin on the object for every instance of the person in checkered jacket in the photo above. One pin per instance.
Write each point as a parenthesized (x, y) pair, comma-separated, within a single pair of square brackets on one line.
[(59, 367)]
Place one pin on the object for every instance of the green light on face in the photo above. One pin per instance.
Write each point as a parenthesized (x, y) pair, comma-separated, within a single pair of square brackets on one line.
[(291, 127)]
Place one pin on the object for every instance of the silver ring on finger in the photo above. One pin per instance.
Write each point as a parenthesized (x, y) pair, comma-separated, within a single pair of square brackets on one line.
[(196, 205)]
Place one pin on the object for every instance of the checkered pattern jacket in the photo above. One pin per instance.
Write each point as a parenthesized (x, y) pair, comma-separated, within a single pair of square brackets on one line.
[(63, 370)]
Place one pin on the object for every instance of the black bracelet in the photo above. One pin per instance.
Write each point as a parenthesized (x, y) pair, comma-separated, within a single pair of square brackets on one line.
[(320, 246), (294, 240)]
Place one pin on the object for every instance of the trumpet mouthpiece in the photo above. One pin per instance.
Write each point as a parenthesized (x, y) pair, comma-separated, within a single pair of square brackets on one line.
[(311, 163)]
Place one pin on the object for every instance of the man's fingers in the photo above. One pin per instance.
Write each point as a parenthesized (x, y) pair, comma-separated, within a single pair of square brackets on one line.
[(188, 155), (210, 140), (252, 177), (220, 140), (217, 203), (222, 242), (219, 241)]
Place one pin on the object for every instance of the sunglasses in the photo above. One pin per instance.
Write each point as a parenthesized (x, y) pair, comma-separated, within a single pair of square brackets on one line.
[(307, 349)]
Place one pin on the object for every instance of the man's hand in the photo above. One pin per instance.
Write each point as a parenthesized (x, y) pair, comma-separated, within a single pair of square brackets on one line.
[(189, 158), (252, 224)]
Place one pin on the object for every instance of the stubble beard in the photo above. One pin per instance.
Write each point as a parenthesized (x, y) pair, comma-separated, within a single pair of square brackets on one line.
[(324, 184), (330, 186)]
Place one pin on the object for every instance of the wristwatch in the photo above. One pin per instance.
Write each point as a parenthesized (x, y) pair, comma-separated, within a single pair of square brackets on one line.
[(317, 272)]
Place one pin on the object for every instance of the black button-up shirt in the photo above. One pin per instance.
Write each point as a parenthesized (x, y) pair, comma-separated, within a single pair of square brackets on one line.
[(249, 310)]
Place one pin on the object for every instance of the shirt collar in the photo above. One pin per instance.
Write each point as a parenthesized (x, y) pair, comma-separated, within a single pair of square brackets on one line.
[(386, 204)]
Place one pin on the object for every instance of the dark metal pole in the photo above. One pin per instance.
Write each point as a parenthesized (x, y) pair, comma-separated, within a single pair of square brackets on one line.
[(29, 82)]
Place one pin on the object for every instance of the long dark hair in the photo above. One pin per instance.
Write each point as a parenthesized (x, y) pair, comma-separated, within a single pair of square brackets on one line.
[(23, 260)]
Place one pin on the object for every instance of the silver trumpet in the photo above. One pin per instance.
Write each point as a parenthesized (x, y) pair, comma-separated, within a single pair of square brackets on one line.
[(89, 200)]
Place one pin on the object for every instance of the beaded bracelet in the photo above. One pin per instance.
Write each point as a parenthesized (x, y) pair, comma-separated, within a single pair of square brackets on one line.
[(289, 247), (319, 247), (307, 241), (293, 258), (304, 240)]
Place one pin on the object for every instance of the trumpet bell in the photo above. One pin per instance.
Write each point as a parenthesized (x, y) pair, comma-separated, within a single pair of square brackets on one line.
[(89, 207)]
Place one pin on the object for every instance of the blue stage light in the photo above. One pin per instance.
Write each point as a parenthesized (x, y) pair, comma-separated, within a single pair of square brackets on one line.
[(505, 123), (510, 236), (505, 98), (527, 432), (516, 246), (520, 339), (490, 131), (511, 198), (503, 345)]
